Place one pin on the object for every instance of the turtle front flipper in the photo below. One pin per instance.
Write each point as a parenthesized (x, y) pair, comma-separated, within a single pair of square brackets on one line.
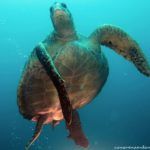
[(47, 62), (76, 132), (115, 38), (71, 116)]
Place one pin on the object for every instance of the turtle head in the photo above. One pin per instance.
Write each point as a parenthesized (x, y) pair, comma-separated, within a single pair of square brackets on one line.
[(62, 20)]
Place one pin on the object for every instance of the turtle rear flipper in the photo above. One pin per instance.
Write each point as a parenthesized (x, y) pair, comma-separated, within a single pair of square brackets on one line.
[(118, 40), (37, 131), (76, 132)]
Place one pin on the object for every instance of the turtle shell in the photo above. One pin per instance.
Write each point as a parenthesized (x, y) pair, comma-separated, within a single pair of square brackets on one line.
[(83, 71)]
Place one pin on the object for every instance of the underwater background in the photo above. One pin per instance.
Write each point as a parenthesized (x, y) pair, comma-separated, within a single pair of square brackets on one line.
[(118, 116)]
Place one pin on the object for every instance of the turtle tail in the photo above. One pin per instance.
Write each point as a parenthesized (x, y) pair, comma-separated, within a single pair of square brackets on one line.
[(37, 131)]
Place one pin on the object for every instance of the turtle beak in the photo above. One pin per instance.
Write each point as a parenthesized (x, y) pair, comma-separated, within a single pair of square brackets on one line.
[(62, 20)]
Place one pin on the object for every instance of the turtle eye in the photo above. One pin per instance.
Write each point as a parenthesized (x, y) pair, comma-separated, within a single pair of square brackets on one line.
[(64, 5)]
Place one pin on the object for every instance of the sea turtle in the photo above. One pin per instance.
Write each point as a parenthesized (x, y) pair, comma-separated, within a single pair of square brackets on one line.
[(67, 70)]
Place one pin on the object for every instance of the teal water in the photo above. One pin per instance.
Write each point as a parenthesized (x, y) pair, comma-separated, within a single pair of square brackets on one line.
[(119, 116)]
